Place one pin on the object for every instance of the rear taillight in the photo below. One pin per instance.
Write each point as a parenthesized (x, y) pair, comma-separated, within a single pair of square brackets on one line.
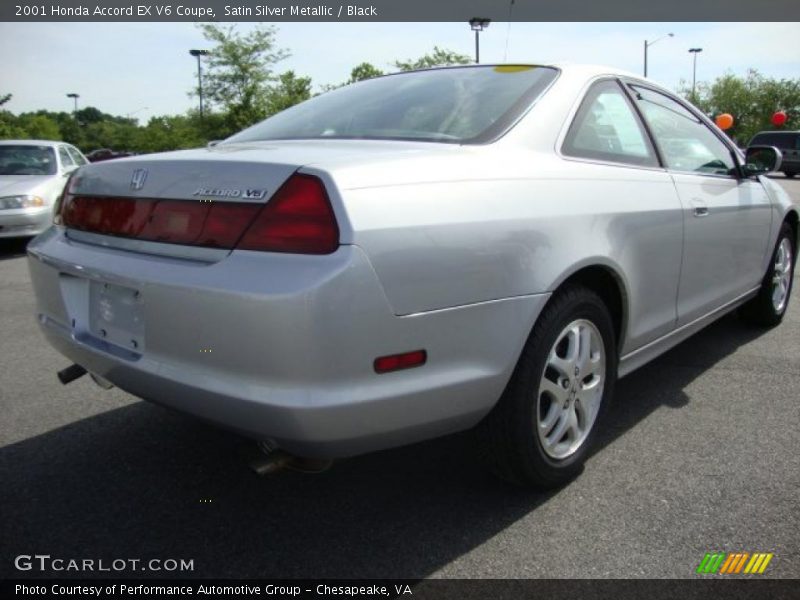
[(298, 218), (60, 201), (191, 223)]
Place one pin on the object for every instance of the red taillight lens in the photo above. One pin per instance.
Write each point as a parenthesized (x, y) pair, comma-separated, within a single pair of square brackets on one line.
[(395, 362), (298, 218), (186, 222), (61, 200)]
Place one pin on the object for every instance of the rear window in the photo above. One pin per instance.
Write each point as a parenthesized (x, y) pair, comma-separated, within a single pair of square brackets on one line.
[(27, 160), (460, 105)]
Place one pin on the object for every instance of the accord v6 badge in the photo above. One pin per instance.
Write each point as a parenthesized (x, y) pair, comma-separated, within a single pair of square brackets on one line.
[(230, 193)]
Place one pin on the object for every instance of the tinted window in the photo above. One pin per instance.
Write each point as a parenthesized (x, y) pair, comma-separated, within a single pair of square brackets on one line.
[(27, 160), (66, 159), (686, 143), (779, 140), (455, 105), (77, 157), (606, 128)]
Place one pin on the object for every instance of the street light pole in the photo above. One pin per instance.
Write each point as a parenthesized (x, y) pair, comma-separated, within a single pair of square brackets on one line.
[(695, 52), (197, 54), (648, 44), (478, 24), (75, 97)]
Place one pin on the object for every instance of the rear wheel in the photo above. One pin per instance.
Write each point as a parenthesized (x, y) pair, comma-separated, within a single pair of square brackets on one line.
[(769, 306), (541, 429), (790, 174)]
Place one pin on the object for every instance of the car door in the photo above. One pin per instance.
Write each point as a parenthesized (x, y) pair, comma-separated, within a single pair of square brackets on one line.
[(632, 189), (727, 218)]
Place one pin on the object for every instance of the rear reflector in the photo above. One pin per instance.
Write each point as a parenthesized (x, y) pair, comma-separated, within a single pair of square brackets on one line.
[(298, 218), (396, 362)]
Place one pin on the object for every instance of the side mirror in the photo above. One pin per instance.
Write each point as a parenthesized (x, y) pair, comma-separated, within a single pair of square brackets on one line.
[(762, 159), (213, 143)]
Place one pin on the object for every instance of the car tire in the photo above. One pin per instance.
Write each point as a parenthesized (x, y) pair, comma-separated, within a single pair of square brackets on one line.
[(769, 306), (790, 174), (520, 438)]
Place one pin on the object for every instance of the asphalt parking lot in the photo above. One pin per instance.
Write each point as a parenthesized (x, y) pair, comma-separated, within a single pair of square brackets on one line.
[(699, 453)]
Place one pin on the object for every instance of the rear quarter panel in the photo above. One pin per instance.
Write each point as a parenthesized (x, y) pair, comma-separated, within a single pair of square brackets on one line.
[(517, 223)]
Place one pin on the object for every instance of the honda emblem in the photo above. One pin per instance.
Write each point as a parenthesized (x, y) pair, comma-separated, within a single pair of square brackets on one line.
[(138, 179)]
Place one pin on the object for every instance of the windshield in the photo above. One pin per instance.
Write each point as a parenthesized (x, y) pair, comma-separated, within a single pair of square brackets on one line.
[(27, 160), (463, 105)]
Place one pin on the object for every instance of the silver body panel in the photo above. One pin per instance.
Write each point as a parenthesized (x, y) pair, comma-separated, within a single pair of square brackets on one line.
[(454, 249)]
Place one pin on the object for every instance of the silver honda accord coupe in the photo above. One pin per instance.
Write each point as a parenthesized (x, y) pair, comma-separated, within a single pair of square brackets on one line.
[(482, 247)]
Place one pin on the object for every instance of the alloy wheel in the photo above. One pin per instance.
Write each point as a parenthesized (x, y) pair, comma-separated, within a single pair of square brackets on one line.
[(571, 389), (782, 275)]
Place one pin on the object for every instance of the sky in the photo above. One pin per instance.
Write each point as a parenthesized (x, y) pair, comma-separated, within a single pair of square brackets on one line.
[(144, 69)]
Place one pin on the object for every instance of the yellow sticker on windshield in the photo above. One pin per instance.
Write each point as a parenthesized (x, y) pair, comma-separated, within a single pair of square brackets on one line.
[(512, 68)]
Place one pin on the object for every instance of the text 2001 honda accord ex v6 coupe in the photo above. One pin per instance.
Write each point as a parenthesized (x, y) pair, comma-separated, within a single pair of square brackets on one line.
[(418, 254)]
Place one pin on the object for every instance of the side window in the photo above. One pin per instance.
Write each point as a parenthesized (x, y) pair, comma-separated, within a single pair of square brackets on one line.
[(607, 128), (686, 143), (66, 159), (77, 157)]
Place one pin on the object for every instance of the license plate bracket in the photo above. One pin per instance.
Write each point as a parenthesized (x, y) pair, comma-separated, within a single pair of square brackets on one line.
[(116, 315)]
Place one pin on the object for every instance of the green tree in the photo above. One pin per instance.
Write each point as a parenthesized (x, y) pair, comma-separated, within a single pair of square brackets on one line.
[(4, 99), (9, 127), (39, 126), (288, 91), (239, 71), (364, 71), (752, 100), (168, 133), (440, 57), (90, 114)]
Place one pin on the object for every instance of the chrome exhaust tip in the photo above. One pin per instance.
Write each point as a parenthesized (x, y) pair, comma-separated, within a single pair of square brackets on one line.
[(101, 382), (272, 460)]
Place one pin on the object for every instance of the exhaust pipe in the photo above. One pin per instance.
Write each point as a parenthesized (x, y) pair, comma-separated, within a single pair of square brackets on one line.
[(101, 382), (272, 460), (70, 374), (271, 463)]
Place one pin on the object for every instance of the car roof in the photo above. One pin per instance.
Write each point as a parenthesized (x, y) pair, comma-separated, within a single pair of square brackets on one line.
[(578, 69), (31, 143)]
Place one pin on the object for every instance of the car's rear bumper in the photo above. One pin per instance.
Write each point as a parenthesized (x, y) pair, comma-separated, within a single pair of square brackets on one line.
[(25, 222), (282, 346)]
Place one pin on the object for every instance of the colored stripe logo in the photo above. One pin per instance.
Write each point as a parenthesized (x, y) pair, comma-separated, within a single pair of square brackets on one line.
[(734, 563)]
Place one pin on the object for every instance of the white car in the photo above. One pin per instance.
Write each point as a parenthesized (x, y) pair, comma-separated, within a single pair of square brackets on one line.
[(32, 177)]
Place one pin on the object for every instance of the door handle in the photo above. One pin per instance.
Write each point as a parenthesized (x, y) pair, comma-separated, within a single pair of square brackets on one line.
[(699, 208)]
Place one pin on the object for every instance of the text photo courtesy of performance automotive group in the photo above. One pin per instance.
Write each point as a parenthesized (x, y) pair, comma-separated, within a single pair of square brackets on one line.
[(319, 299)]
